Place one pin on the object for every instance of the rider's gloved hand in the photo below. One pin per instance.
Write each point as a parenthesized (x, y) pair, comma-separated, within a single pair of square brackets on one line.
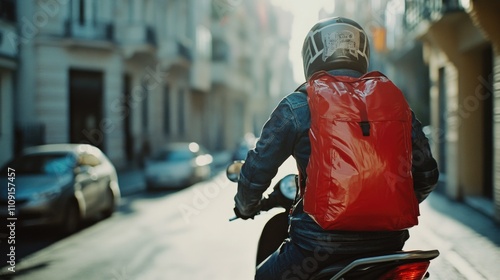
[(247, 202), (245, 216)]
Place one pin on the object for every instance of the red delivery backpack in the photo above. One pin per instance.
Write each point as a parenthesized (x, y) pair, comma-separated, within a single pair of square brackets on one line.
[(359, 173)]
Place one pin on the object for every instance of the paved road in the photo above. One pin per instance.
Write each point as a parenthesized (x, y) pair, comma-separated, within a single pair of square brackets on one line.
[(186, 235), (165, 235)]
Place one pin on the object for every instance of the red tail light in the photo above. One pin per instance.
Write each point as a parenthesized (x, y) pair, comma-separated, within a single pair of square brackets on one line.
[(409, 271)]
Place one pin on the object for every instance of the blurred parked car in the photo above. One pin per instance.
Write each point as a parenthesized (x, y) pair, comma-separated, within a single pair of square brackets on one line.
[(60, 184), (178, 165)]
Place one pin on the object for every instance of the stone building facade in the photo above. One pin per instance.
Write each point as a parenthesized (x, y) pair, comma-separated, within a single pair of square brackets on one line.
[(130, 76), (454, 42)]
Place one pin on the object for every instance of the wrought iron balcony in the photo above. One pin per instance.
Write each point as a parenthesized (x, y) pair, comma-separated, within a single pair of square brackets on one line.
[(174, 52), (417, 11), (184, 50), (9, 40), (220, 50), (89, 30), (135, 34)]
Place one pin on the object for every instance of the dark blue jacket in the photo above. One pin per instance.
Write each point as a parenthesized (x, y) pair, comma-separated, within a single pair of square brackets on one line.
[(285, 134)]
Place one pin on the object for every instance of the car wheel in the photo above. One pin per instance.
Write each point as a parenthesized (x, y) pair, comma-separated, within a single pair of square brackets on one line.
[(72, 219), (111, 204)]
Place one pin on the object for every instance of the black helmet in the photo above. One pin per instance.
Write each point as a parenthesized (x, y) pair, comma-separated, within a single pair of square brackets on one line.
[(335, 43)]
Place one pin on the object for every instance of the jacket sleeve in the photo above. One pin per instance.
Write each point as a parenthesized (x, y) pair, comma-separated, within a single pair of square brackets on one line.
[(424, 166), (274, 146)]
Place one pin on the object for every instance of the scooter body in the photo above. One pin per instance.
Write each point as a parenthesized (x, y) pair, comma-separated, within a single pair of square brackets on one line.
[(395, 265), (407, 265), (273, 234)]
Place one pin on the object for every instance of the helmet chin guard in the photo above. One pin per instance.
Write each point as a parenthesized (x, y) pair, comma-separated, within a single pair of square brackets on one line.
[(335, 43)]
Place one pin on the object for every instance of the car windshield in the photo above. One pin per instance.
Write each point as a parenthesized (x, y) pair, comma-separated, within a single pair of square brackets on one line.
[(50, 164), (174, 155)]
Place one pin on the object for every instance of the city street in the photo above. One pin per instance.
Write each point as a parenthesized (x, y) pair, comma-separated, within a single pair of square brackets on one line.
[(103, 102), (185, 234)]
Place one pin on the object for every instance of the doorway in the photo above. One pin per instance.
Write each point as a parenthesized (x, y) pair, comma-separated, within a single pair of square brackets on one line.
[(127, 118), (86, 107), (443, 121), (486, 80)]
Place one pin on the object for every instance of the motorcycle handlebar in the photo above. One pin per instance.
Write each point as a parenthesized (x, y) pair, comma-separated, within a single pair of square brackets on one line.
[(282, 195), (269, 203), (266, 204)]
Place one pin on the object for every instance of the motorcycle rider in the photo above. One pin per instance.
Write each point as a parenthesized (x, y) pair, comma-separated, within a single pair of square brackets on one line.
[(309, 247)]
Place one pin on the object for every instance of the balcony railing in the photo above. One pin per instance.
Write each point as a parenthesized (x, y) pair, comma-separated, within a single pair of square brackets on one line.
[(184, 50), (89, 30), (8, 47), (135, 34), (220, 50), (417, 11), (150, 35)]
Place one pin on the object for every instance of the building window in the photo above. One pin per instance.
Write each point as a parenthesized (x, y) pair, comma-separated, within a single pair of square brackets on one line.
[(131, 11), (145, 108), (443, 121), (166, 110), (183, 19), (81, 12), (8, 10), (2, 102), (84, 12), (220, 50), (181, 125)]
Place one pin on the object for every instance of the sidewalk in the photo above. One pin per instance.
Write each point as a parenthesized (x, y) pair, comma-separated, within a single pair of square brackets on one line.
[(468, 240)]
